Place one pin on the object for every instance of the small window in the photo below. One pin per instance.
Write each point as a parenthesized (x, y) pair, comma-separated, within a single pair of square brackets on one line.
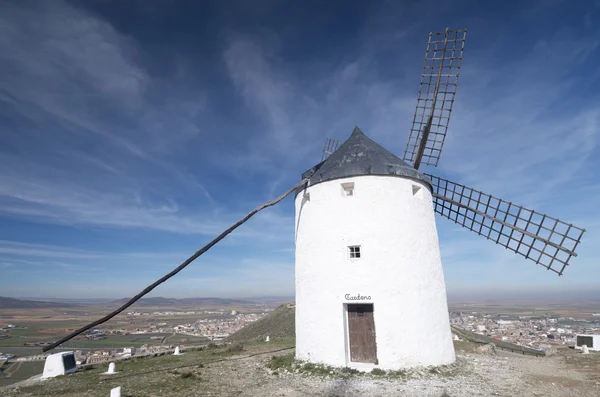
[(348, 189), (585, 340), (306, 196), (417, 191), (354, 251)]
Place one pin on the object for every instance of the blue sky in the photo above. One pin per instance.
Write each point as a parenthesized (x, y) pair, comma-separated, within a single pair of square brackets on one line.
[(134, 132)]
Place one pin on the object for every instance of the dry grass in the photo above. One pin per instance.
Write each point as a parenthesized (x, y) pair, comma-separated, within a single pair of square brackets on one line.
[(281, 323)]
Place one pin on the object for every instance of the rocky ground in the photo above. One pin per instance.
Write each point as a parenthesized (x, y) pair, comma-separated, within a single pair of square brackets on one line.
[(253, 371)]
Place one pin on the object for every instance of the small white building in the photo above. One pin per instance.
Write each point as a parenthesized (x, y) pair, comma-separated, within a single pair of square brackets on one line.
[(370, 289), (591, 341), (59, 364), (127, 352)]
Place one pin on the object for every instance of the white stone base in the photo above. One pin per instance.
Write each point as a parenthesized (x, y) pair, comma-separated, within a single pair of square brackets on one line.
[(362, 367)]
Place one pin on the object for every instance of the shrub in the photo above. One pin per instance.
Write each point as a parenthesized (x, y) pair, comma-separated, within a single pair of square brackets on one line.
[(348, 370), (378, 372), (309, 367), (317, 369), (283, 361), (236, 347)]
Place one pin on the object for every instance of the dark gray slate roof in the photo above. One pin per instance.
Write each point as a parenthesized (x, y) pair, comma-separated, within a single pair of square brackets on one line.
[(360, 155)]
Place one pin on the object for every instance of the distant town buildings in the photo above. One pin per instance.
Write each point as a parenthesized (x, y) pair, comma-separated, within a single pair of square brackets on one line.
[(539, 333), (211, 324), (6, 356)]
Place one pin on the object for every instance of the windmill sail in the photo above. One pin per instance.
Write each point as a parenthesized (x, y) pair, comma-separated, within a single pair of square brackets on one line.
[(538, 237), (331, 146), (439, 80)]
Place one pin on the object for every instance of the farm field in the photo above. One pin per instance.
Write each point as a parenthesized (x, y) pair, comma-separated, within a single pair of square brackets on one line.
[(580, 311), (16, 372), (39, 325), (22, 328)]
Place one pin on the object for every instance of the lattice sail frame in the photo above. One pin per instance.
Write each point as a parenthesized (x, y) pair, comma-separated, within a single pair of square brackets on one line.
[(545, 240), (331, 146), (439, 80)]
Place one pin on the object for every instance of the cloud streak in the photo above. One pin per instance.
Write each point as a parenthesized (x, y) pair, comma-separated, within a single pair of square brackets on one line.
[(76, 88), (133, 151)]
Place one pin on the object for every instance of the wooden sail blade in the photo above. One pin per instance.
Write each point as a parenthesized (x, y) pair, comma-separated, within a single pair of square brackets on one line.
[(541, 238), (439, 80), (331, 146)]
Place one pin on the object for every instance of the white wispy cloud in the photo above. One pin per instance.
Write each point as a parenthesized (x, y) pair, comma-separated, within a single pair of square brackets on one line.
[(214, 275), (93, 138), (89, 125), (519, 131), (16, 248), (251, 277)]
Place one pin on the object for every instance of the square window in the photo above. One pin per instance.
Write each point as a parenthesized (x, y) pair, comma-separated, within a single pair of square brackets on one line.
[(348, 189), (354, 251)]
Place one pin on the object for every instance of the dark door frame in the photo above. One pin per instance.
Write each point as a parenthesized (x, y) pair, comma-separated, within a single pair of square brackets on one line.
[(348, 352)]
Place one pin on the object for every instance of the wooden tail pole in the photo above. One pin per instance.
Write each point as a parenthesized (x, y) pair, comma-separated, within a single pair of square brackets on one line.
[(177, 269)]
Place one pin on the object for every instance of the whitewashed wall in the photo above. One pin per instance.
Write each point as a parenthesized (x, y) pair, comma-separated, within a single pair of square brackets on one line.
[(595, 341), (400, 270), (53, 366)]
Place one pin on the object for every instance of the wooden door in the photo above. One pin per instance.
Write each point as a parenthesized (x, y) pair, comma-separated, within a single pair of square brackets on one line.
[(361, 332)]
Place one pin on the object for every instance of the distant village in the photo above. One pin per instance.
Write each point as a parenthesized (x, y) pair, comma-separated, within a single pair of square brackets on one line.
[(213, 328), (536, 332), (541, 332)]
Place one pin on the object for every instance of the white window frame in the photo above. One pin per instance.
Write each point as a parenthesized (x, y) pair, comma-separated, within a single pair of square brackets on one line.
[(348, 187)]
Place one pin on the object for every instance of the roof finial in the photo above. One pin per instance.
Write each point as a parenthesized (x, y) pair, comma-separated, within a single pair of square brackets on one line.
[(356, 131)]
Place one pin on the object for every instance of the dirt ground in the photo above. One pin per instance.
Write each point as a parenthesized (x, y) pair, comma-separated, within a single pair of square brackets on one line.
[(218, 372)]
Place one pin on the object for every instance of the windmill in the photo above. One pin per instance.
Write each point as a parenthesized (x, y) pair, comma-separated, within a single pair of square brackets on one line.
[(370, 288), (538, 237)]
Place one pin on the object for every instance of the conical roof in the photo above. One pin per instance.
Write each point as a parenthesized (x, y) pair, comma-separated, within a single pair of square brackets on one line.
[(360, 155)]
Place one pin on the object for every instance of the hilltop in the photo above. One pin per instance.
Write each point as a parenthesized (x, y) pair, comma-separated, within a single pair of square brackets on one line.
[(12, 303), (269, 369), (280, 323), (248, 366)]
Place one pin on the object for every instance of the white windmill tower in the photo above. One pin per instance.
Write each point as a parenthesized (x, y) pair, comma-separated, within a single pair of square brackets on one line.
[(369, 281), (370, 288)]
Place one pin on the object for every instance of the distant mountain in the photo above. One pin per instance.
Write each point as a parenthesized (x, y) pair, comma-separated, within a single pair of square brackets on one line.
[(79, 301), (551, 295), (172, 302), (11, 303), (268, 299)]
